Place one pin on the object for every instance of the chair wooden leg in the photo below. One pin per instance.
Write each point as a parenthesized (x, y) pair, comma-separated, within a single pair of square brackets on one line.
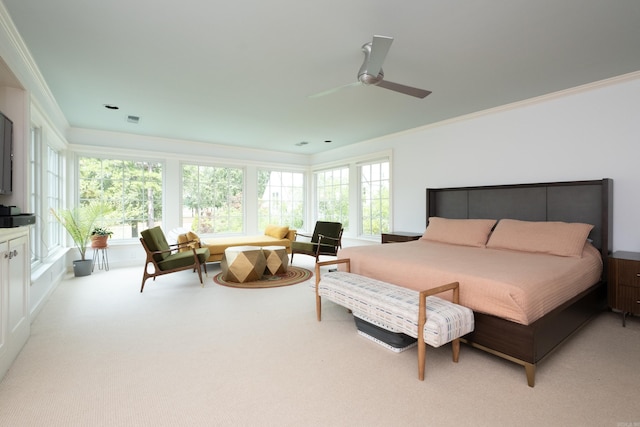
[(200, 275), (144, 279), (318, 299), (318, 308)]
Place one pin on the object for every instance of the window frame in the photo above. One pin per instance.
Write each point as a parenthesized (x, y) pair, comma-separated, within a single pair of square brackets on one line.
[(289, 220), (355, 214), (243, 187), (118, 236), (342, 217), (361, 204)]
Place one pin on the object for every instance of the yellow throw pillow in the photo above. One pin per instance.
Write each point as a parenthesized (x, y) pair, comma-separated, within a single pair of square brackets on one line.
[(193, 236), (190, 236), (182, 238), (276, 231)]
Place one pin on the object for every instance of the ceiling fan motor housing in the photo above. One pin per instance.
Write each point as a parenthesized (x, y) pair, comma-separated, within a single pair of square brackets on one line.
[(368, 79), (363, 74)]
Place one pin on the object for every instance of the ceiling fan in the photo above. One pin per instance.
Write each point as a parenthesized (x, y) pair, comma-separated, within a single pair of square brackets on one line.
[(371, 74)]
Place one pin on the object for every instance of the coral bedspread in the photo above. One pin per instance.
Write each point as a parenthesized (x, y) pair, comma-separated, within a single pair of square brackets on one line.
[(517, 286)]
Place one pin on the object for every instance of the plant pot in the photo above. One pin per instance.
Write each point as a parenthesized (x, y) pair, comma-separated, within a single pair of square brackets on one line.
[(99, 241), (82, 267)]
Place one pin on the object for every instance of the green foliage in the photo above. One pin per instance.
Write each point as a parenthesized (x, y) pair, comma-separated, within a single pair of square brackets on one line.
[(213, 196), (79, 222), (101, 231), (132, 188)]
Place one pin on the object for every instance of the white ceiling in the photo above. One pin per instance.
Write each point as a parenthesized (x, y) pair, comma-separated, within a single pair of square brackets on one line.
[(240, 73)]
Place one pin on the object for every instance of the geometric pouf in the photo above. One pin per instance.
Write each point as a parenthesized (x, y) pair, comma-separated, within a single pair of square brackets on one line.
[(243, 264), (277, 259)]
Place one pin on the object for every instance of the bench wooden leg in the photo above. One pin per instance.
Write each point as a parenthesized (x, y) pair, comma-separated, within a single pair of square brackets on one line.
[(455, 347), (422, 346), (422, 359), (345, 261)]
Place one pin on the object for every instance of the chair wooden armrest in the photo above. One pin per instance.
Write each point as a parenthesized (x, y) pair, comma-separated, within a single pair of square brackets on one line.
[(322, 236), (309, 236), (169, 251), (189, 243)]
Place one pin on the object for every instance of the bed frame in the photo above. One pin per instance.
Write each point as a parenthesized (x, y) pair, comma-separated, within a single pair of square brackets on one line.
[(576, 201)]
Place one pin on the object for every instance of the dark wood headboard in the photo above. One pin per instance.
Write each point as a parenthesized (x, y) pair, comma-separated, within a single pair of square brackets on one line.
[(589, 202)]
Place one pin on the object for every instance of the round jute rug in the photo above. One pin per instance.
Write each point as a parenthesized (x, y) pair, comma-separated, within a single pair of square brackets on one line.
[(294, 275)]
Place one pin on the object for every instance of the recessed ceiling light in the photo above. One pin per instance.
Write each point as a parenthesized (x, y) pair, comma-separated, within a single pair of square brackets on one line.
[(328, 141), (111, 107)]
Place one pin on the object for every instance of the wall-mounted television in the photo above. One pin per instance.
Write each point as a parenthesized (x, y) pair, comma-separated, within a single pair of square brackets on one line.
[(6, 154)]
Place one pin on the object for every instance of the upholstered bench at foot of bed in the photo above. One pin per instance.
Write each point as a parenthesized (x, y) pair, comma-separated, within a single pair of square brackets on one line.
[(398, 309)]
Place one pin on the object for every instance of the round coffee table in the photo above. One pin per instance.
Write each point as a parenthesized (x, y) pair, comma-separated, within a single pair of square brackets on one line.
[(243, 264), (277, 259)]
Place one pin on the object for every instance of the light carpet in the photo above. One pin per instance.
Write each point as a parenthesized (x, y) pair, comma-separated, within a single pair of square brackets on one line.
[(103, 354)]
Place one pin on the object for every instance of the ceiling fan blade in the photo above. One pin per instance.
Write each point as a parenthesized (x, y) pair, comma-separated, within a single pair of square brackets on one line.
[(407, 90), (335, 89), (379, 49)]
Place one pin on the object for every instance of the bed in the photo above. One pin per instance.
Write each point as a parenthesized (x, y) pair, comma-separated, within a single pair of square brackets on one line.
[(531, 314)]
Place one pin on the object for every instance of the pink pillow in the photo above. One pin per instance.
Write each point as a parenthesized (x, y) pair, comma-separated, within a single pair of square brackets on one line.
[(555, 238), (466, 232)]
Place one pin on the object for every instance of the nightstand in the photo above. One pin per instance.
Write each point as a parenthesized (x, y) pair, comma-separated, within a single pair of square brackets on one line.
[(400, 236), (624, 283)]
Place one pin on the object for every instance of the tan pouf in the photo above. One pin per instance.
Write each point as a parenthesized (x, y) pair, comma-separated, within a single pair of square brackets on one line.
[(243, 264), (277, 259)]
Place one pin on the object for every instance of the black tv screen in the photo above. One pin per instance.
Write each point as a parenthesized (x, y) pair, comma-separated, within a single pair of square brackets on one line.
[(6, 154)]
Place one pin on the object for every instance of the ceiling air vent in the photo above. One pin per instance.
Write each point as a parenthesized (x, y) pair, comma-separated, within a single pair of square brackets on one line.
[(133, 119)]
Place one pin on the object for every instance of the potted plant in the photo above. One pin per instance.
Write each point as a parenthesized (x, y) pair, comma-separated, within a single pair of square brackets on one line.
[(79, 223), (99, 236)]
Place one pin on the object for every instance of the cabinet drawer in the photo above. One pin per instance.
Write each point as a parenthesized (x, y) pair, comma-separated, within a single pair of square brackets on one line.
[(629, 299), (628, 273)]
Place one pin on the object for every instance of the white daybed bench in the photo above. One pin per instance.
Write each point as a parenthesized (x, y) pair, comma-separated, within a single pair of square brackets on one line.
[(397, 309)]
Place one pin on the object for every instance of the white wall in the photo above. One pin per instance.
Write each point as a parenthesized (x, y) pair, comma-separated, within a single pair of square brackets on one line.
[(588, 133)]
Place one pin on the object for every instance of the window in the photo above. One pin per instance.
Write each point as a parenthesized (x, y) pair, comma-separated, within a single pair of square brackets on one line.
[(54, 197), (45, 167), (212, 199), (332, 195), (280, 199), (35, 165), (374, 198), (132, 187)]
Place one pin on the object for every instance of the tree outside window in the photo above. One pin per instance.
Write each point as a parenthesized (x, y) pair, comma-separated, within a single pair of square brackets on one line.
[(212, 199), (332, 194), (280, 199), (133, 188), (374, 187)]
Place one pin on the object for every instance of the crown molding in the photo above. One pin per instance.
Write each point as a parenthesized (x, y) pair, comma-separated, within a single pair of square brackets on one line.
[(18, 58)]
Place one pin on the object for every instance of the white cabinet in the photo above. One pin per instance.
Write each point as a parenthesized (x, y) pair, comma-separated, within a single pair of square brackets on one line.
[(14, 294)]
